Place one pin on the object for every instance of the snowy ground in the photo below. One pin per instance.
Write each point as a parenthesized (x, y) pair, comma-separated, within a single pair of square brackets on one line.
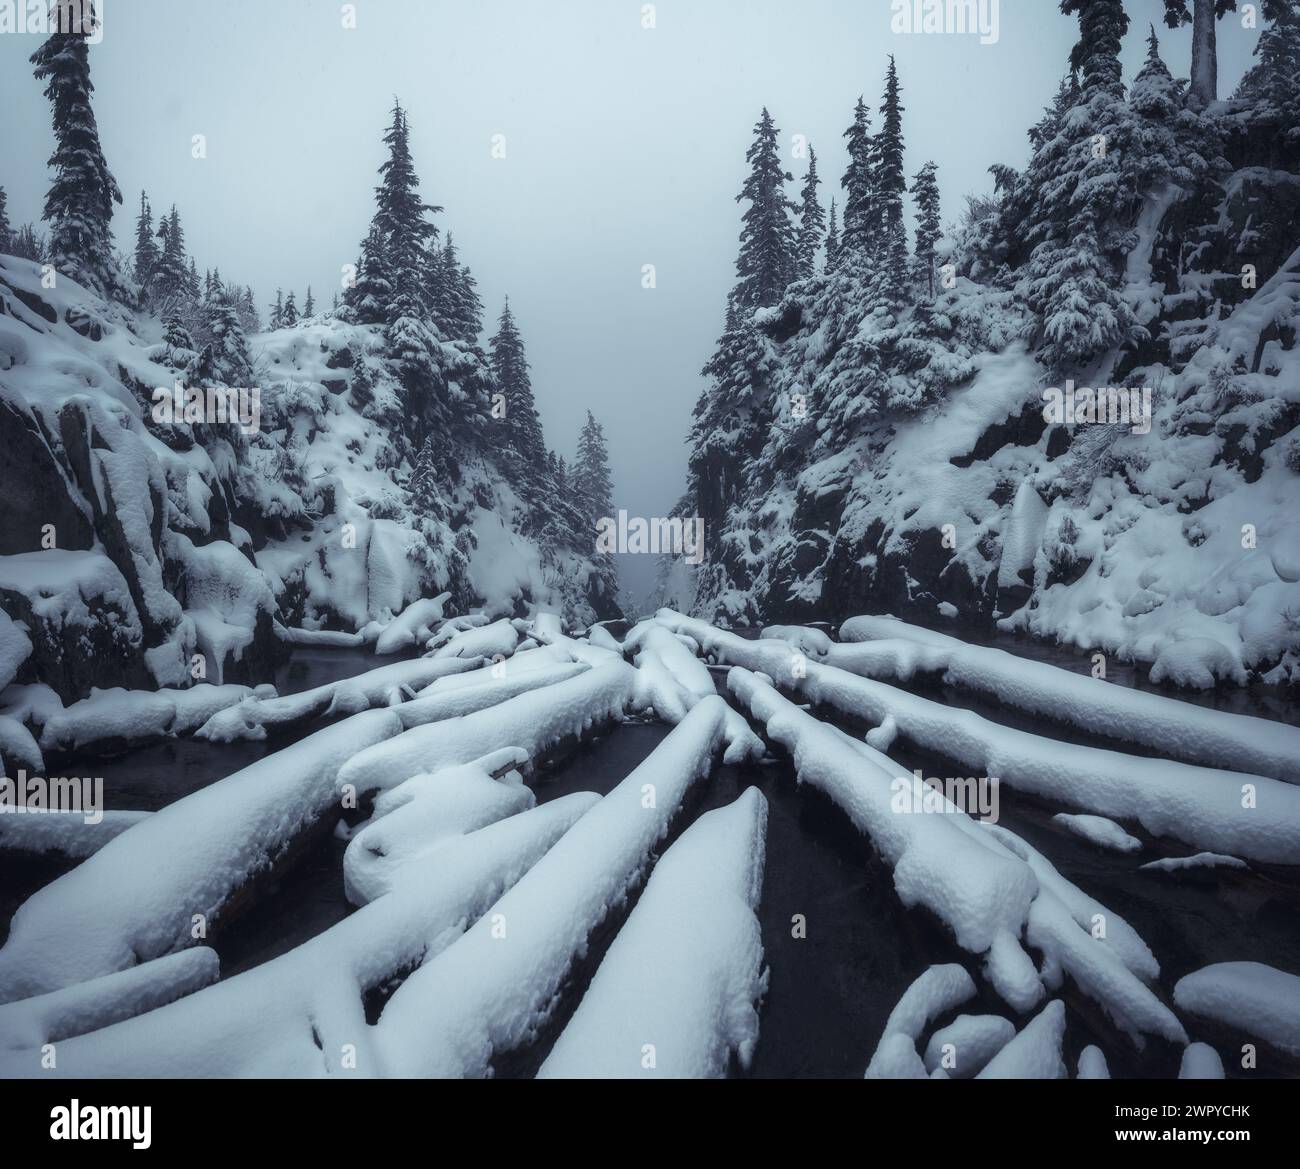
[(589, 934)]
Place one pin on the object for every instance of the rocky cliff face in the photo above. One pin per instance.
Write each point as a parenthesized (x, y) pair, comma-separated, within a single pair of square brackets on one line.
[(146, 552)]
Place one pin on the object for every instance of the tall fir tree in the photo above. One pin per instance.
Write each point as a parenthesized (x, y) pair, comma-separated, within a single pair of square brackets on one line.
[(1102, 25), (768, 260), (1273, 82), (309, 305), (277, 312), (79, 204), (859, 186), (1205, 66), (591, 479), (925, 193), (6, 232), (812, 220), (401, 214), (289, 317), (171, 270), (832, 240), (890, 186), (522, 427)]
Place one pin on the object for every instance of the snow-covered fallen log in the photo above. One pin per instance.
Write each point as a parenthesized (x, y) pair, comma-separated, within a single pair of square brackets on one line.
[(677, 992), (486, 993), (1252, 816), (146, 892), (532, 721), (982, 895), (88, 1006), (481, 689), (65, 832), (131, 716), (966, 1045), (419, 815), (1098, 830), (671, 680), (488, 641), (332, 638), (890, 649), (301, 1014), (1035, 1053), (413, 626), (254, 717), (1260, 1000), (938, 990)]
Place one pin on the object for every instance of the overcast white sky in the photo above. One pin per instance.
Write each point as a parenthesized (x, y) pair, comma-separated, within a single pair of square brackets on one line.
[(624, 146)]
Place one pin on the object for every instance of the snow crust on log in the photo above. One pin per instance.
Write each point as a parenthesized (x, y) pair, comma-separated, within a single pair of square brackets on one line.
[(297, 1015), (1098, 830), (1204, 807), (254, 717), (671, 679), (531, 721), (684, 975), (1035, 1052), (488, 992), (888, 648), (65, 832), (1258, 999), (88, 1006), (135, 898)]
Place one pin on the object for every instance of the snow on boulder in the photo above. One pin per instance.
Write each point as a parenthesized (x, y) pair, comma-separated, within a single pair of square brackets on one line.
[(683, 977), (1035, 1053), (1249, 996)]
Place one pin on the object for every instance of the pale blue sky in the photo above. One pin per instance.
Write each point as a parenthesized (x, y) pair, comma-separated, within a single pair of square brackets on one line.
[(624, 146)]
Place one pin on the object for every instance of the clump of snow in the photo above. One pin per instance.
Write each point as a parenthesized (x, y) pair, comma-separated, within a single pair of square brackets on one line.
[(1035, 1052), (968, 1043), (1200, 1062), (1099, 831), (1199, 860)]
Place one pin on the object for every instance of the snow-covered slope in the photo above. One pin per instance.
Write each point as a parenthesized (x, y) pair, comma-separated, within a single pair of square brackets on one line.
[(133, 545)]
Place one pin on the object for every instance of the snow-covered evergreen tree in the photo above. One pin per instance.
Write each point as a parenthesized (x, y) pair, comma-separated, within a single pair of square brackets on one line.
[(401, 215), (856, 235), (146, 245), (768, 260), (925, 193), (370, 296), (79, 204), (590, 479), (1273, 83), (276, 320), (225, 360), (6, 232), (890, 185), (812, 220), (832, 240), (523, 429), (309, 305), (289, 314)]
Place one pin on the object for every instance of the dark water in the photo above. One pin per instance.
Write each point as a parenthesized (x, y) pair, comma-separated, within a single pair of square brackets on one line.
[(830, 991)]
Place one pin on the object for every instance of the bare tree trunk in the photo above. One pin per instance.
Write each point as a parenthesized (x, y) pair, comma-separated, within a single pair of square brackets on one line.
[(1205, 69)]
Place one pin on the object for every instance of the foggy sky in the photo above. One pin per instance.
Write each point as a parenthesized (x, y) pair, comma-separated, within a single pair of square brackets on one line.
[(624, 146)]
